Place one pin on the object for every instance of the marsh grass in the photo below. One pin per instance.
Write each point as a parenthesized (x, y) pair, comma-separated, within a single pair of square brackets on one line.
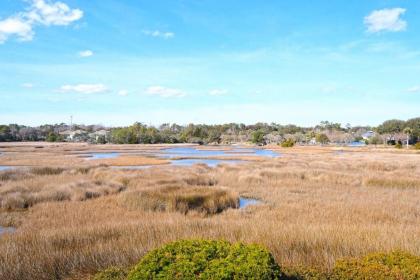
[(131, 161), (199, 199), (43, 171), (392, 182), (319, 207), (24, 189)]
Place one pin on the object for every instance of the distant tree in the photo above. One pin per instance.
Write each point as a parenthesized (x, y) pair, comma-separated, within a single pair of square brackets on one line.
[(415, 125), (330, 126), (54, 137), (288, 143), (5, 134), (257, 137), (322, 138), (101, 139), (376, 140), (214, 136), (391, 126), (408, 131)]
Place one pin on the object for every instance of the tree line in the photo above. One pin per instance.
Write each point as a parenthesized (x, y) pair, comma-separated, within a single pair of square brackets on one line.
[(259, 133)]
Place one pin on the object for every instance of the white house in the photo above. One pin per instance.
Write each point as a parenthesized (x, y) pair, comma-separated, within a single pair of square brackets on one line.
[(74, 135), (368, 134)]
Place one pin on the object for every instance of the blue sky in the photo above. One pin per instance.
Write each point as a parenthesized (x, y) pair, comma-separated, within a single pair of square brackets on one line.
[(116, 62)]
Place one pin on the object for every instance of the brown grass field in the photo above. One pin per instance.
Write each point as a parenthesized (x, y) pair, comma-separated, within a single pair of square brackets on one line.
[(74, 217)]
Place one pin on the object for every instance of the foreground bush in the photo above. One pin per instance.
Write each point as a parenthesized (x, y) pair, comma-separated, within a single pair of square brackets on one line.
[(379, 266), (202, 259), (417, 146)]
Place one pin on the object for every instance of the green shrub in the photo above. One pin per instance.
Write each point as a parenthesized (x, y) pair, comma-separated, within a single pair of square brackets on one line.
[(204, 259), (288, 143), (379, 266), (398, 146), (304, 273), (257, 137), (322, 138), (112, 273), (417, 146)]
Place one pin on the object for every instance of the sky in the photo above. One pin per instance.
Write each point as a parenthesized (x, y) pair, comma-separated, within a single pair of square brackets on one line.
[(116, 62)]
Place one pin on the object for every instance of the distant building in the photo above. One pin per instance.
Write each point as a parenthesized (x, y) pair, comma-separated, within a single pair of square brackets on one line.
[(75, 135), (98, 135), (367, 135)]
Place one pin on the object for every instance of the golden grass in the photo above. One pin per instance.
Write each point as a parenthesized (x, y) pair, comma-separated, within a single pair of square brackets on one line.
[(319, 206), (131, 161), (392, 182), (201, 200), (20, 189)]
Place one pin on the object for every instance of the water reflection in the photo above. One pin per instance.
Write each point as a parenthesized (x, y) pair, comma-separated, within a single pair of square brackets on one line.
[(244, 202)]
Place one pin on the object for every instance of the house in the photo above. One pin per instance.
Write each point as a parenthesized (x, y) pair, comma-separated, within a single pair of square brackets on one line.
[(74, 135), (98, 135), (367, 135), (313, 141)]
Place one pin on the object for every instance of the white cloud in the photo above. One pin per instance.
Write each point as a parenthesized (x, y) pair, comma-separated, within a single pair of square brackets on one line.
[(386, 20), (15, 26), (159, 34), (123, 92), (40, 12), (218, 92), (414, 89), (165, 92), (86, 53), (27, 85), (84, 88), (53, 13)]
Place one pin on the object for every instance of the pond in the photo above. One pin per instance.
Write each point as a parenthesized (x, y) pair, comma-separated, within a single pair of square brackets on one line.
[(188, 152), (193, 152), (5, 167), (133, 167), (93, 156), (191, 155), (266, 153), (244, 202), (356, 144), (4, 230)]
